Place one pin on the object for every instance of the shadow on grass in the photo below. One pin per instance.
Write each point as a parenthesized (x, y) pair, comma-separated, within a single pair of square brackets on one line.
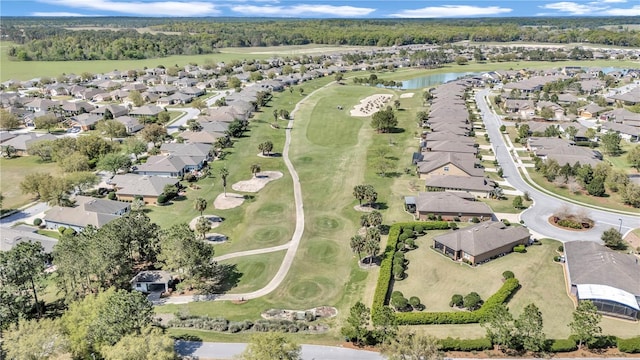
[(231, 276)]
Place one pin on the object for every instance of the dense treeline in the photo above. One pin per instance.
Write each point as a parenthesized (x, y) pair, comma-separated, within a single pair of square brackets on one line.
[(203, 36)]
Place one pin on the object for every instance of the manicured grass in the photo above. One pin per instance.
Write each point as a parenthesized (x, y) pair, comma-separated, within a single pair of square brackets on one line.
[(620, 161), (505, 205), (434, 278), (13, 171), (50, 233), (257, 270), (611, 200)]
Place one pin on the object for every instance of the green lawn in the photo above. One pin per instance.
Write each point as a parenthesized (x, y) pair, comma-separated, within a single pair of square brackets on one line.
[(505, 205), (212, 336), (50, 233), (256, 270), (434, 278), (13, 171), (620, 161)]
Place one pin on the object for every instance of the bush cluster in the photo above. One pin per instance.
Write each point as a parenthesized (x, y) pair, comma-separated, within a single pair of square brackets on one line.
[(224, 325), (384, 277), (568, 223), (428, 318), (562, 345), (519, 249), (630, 346), (450, 344)]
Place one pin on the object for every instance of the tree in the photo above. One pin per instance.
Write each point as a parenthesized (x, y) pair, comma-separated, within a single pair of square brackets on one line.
[(124, 312), (134, 146), (596, 186), (384, 120), (164, 117), (613, 239), (357, 245), (199, 104), (8, 120), (633, 157), (517, 202), (200, 204), (33, 183), (75, 162), (265, 147), (114, 162), (151, 344), (224, 173), (374, 218), (255, 169), (409, 345), (523, 131), (136, 98), (571, 132), (111, 128), (500, 327), (372, 243), (7, 151), (92, 146), (108, 115), (631, 195), (359, 192), (585, 325), (472, 301), (370, 195), (529, 329), (35, 340), (356, 327), (461, 60), (338, 77), (617, 180), (611, 143), (154, 133), (271, 345), (202, 227), (503, 128), (46, 121), (396, 104), (456, 300), (386, 325), (547, 113), (233, 82)]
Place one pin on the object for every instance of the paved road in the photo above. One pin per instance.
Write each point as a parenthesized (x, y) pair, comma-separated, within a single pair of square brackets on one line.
[(203, 350), (252, 252), (544, 204), (24, 213), (220, 94), (191, 113)]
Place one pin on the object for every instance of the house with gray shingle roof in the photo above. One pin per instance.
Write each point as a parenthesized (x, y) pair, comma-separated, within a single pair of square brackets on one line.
[(450, 205), (457, 164), (480, 243), (130, 186), (474, 185), (10, 237), (88, 211)]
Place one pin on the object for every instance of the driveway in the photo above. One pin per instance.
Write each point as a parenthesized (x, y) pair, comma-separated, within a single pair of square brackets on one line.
[(25, 214), (190, 113), (544, 204), (204, 350)]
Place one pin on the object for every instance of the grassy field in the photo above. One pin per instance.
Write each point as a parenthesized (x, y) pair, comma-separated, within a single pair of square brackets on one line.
[(620, 161), (256, 270), (12, 172), (434, 278), (505, 205)]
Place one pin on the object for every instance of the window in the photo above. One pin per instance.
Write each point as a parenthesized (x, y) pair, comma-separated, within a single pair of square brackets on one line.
[(446, 168), (138, 285)]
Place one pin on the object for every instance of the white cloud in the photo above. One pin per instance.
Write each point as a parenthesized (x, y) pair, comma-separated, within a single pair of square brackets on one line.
[(302, 10), (592, 8), (451, 11), (58, 13), (154, 8)]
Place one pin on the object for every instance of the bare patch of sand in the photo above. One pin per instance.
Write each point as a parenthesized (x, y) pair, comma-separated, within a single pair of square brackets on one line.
[(406, 95), (214, 221), (361, 208), (370, 105), (258, 182), (228, 202)]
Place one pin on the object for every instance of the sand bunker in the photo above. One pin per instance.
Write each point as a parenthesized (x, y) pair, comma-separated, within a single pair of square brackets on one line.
[(228, 202), (370, 105), (258, 182), (406, 95), (214, 221)]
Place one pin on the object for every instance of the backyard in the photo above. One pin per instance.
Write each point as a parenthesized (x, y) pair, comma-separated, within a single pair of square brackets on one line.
[(12, 174)]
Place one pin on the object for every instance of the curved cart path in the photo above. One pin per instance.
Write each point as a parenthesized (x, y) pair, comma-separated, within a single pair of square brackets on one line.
[(291, 246)]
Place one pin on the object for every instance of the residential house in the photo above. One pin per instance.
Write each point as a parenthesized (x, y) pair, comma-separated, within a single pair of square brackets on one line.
[(87, 211), (450, 205), (590, 111), (76, 107), (473, 185), (148, 188), (480, 243), (605, 277), (522, 108), (131, 124), (567, 99), (22, 142), (40, 104), (450, 147), (149, 111), (10, 237), (116, 110), (627, 132), (558, 111), (442, 164), (629, 98), (150, 281), (170, 165), (85, 121), (563, 151)]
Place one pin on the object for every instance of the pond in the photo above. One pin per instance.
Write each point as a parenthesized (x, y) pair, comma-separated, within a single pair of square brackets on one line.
[(433, 79)]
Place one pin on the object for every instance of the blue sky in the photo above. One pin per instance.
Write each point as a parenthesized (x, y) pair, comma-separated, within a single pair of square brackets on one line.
[(321, 8)]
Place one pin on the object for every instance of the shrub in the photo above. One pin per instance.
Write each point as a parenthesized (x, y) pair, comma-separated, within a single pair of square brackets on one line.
[(603, 342), (453, 226), (562, 345), (561, 248), (630, 346), (404, 236), (37, 221), (111, 195), (456, 300), (61, 229), (398, 272), (450, 344), (508, 275), (475, 220), (411, 243), (506, 222), (519, 249), (415, 302), (568, 223), (456, 219), (472, 300), (556, 258), (69, 232), (418, 228), (162, 199), (431, 217)]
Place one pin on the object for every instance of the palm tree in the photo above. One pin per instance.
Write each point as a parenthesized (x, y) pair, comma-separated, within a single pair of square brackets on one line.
[(200, 205), (255, 168), (375, 218), (358, 193), (223, 175), (371, 247), (357, 245)]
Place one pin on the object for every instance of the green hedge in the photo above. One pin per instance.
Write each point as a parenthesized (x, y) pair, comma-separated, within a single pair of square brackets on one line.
[(630, 346), (427, 318), (450, 344), (562, 345), (386, 266)]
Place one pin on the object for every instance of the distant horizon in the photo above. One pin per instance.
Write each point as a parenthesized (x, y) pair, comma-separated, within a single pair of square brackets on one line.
[(322, 9)]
